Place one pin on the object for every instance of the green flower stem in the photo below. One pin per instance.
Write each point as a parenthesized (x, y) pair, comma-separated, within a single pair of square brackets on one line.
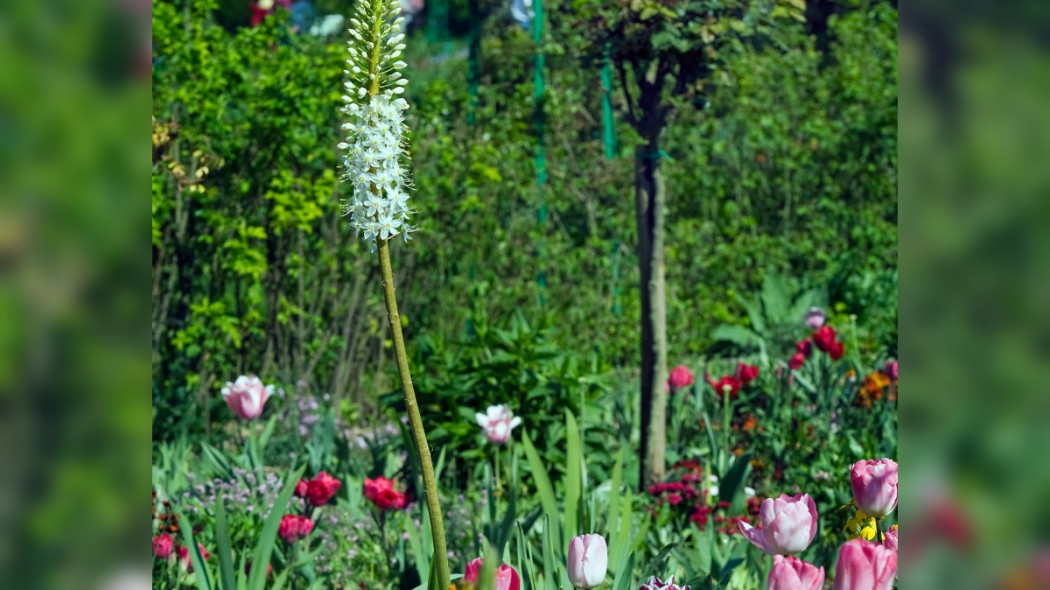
[(725, 426), (419, 436)]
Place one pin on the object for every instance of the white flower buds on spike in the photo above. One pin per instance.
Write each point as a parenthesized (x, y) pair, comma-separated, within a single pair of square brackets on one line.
[(374, 147)]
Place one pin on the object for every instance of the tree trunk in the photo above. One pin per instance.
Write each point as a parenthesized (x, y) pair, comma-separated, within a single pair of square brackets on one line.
[(649, 201)]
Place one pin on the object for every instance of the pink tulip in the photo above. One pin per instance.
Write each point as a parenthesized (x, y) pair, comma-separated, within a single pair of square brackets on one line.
[(680, 377), (788, 524), (246, 396), (473, 571), (506, 576), (162, 545), (588, 561), (815, 318), (791, 573), (875, 486), (497, 423), (891, 538), (864, 565)]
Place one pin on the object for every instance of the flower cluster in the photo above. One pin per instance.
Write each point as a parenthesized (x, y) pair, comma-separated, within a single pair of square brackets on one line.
[(374, 143), (825, 339), (380, 491), (876, 384), (789, 524), (689, 496)]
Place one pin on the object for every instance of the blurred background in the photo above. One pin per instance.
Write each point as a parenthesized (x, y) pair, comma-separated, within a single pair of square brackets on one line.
[(76, 289)]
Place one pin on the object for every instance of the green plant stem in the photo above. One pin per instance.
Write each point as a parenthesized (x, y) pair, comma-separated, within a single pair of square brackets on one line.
[(419, 436), (725, 427), (499, 485), (878, 530)]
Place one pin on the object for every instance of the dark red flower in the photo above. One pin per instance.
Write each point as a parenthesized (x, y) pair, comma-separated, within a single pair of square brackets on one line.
[(797, 360), (320, 489), (804, 347), (824, 338), (836, 350), (301, 487), (746, 373)]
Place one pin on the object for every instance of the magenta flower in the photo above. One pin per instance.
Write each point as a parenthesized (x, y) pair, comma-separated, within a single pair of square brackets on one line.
[(680, 377)]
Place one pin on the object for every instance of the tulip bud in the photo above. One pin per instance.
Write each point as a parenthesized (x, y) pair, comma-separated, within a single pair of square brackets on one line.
[(875, 486), (891, 538), (791, 573), (864, 565), (588, 561)]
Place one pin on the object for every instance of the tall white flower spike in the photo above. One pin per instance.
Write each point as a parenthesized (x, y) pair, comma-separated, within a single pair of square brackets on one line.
[(374, 148)]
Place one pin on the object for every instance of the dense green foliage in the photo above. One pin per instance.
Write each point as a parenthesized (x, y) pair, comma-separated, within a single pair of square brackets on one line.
[(788, 165), (781, 184)]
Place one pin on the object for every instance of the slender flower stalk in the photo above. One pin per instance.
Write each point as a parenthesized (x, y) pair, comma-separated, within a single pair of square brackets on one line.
[(378, 210)]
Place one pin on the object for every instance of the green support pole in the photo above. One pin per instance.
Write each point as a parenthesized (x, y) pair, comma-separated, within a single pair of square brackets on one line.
[(473, 62), (437, 21), (608, 123), (540, 120)]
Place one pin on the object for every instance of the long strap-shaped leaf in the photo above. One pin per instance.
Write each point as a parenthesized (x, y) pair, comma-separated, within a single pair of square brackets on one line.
[(263, 551)]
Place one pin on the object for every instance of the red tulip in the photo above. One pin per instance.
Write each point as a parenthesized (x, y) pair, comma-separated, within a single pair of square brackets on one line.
[(836, 351), (804, 347), (824, 337), (797, 360), (320, 489), (382, 493), (294, 527), (746, 373), (726, 381), (301, 487)]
